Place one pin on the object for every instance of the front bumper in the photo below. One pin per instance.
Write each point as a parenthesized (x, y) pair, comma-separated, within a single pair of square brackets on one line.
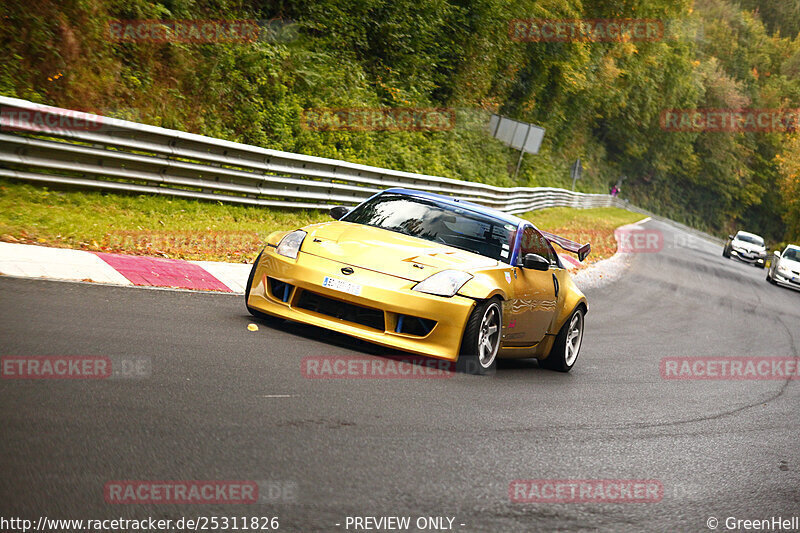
[(783, 281), (748, 258), (380, 294)]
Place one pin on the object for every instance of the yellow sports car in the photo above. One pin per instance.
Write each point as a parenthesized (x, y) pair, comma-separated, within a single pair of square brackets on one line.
[(427, 274)]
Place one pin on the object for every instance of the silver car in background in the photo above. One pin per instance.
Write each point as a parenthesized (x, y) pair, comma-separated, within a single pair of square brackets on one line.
[(747, 247), (785, 268)]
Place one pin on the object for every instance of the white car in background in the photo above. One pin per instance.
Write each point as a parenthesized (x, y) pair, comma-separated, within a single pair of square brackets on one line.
[(785, 268), (747, 247)]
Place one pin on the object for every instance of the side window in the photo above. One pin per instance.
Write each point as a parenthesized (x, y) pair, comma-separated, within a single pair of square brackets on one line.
[(534, 243)]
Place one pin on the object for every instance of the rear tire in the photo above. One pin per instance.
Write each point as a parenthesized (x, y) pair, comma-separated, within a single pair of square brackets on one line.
[(481, 340), (567, 345)]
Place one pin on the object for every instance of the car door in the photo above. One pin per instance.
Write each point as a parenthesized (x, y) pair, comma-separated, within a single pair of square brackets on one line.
[(533, 305)]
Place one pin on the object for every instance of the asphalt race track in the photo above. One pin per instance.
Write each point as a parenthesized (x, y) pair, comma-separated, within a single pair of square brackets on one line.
[(225, 403)]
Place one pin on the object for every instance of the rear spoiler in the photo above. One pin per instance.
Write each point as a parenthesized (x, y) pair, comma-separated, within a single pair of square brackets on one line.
[(571, 246)]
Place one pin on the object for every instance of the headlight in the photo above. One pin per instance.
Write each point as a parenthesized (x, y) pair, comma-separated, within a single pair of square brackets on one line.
[(784, 270), (444, 283), (290, 244)]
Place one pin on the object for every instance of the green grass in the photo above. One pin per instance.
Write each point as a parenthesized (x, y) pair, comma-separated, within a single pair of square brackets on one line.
[(595, 226), (140, 224), (578, 219), (188, 229)]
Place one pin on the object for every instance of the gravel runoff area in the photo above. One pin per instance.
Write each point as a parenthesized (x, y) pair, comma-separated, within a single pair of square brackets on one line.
[(608, 270), (603, 272)]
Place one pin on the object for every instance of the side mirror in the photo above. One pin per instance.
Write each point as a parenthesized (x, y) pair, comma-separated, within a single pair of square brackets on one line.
[(338, 211), (776, 253), (730, 237), (535, 262)]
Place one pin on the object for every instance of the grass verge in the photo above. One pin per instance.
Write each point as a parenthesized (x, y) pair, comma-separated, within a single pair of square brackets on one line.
[(140, 224), (187, 229), (595, 226)]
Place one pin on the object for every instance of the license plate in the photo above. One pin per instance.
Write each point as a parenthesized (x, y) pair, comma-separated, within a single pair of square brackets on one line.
[(342, 286)]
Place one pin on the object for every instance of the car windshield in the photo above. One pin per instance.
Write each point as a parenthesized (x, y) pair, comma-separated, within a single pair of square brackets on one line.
[(432, 221), (752, 239), (792, 254)]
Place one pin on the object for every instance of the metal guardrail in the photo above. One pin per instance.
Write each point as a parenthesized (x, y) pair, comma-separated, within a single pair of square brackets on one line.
[(65, 147)]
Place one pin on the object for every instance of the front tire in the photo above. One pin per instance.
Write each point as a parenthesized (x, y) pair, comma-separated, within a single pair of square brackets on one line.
[(726, 253), (481, 340), (256, 313), (567, 345)]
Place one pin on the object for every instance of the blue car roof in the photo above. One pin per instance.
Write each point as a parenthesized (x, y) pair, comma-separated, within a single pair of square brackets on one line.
[(463, 204)]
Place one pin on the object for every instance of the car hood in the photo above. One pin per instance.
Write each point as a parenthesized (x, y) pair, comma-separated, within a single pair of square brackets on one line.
[(748, 246), (387, 251), (791, 265)]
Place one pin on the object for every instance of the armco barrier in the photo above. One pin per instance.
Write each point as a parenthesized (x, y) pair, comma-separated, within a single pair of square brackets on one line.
[(66, 147)]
